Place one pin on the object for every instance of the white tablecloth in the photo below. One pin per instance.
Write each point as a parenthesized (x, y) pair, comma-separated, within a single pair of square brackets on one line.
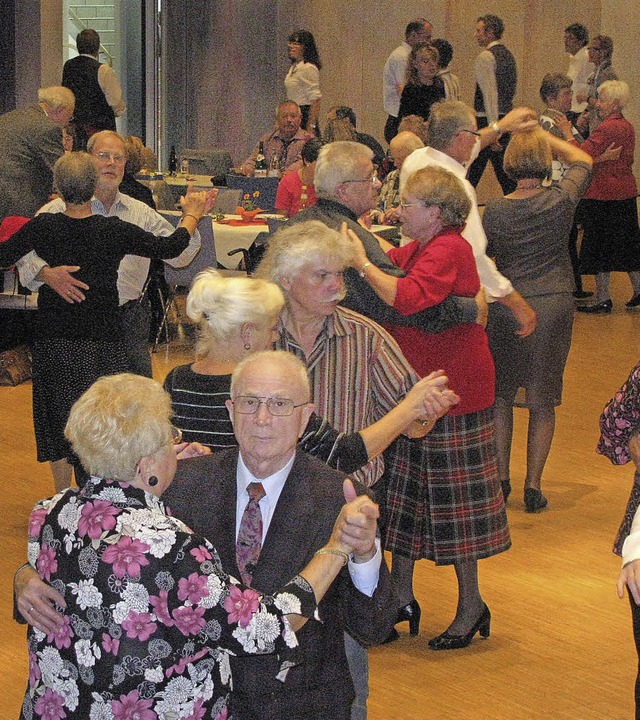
[(228, 237)]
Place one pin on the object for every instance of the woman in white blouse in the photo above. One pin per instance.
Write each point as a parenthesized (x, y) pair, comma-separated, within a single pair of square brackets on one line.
[(302, 82)]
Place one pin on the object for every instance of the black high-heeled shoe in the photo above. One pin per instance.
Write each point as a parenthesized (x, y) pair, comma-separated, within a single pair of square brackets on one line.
[(506, 489), (410, 613), (534, 500), (447, 641)]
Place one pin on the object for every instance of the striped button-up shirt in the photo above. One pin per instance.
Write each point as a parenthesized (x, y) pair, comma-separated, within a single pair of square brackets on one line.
[(358, 374)]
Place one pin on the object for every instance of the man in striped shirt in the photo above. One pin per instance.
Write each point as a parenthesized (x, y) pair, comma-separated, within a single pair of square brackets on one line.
[(357, 370)]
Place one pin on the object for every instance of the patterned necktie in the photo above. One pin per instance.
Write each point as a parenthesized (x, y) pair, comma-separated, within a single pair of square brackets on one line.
[(250, 534)]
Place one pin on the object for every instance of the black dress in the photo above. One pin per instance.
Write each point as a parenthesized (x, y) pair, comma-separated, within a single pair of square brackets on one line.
[(76, 343), (418, 99)]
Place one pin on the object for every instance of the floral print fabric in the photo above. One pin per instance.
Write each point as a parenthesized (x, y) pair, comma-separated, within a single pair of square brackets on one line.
[(151, 617), (620, 420)]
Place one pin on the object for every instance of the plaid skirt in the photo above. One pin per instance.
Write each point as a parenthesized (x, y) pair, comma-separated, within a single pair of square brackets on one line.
[(62, 370), (443, 498)]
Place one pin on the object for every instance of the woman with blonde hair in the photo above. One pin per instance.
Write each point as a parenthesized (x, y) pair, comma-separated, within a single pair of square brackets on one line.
[(423, 87), (528, 233), (238, 316), (150, 616)]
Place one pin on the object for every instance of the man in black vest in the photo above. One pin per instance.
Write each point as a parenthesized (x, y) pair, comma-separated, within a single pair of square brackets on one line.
[(96, 87), (496, 78)]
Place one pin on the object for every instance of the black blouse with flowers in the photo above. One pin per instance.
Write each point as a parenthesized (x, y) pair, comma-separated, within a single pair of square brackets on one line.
[(151, 616)]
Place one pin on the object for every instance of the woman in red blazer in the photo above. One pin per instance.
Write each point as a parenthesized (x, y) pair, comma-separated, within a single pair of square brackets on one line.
[(609, 215)]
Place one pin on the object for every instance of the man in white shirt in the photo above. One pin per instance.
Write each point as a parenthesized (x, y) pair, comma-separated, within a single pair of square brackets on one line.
[(576, 39), (395, 70), (108, 151), (496, 78), (454, 142), (96, 87)]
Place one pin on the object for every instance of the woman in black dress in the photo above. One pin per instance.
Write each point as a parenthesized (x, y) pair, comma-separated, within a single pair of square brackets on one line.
[(423, 87), (76, 343)]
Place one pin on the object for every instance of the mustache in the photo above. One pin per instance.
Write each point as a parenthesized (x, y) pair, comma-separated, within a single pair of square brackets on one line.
[(338, 296)]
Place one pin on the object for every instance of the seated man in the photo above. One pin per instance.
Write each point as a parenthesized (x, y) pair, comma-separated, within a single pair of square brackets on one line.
[(343, 112), (299, 499), (285, 141)]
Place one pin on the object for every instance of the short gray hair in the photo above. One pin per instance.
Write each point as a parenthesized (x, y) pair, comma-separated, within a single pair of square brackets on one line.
[(435, 186), (337, 162), (302, 245), (295, 366), (446, 119), (221, 305), (56, 97), (616, 90), (119, 420), (74, 177), (103, 134)]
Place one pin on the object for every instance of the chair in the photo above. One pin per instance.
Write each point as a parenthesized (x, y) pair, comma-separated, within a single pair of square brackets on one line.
[(207, 161), (183, 276), (227, 201), (267, 187)]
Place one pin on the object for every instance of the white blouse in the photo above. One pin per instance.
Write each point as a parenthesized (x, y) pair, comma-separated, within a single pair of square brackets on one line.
[(302, 83)]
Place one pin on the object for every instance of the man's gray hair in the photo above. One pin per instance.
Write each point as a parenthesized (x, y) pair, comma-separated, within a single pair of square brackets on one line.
[(338, 161), (56, 97), (300, 246), (102, 135), (296, 369), (446, 119)]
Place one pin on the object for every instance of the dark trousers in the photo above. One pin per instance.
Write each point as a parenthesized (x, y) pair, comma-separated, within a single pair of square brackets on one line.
[(391, 128), (496, 158), (635, 616), (136, 321)]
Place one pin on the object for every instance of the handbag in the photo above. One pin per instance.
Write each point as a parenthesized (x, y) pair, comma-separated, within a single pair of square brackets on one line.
[(15, 365)]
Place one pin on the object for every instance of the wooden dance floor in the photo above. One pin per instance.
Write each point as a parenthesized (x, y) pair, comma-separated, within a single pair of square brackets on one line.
[(561, 645)]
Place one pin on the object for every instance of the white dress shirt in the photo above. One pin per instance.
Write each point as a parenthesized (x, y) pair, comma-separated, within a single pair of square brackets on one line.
[(485, 73), (133, 269), (579, 71), (393, 75), (110, 86), (302, 83), (364, 575), (493, 281)]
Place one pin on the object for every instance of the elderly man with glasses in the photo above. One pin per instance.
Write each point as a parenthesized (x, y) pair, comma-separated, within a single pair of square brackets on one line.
[(347, 187), (108, 150), (454, 142), (268, 507)]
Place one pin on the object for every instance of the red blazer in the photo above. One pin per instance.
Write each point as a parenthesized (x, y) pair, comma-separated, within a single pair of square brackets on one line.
[(612, 180)]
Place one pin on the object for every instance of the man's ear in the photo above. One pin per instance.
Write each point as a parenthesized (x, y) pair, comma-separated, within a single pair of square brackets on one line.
[(229, 406)]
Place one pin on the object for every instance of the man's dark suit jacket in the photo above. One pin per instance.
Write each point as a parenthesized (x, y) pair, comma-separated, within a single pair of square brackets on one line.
[(30, 144), (203, 495)]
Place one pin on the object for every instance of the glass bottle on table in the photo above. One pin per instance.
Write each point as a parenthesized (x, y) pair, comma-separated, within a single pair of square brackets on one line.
[(274, 165), (173, 161), (261, 162)]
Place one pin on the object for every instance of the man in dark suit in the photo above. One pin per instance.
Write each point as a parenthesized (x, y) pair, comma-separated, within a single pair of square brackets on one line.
[(303, 498), (30, 144)]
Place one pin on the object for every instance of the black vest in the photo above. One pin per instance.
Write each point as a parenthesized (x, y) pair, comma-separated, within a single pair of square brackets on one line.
[(80, 75), (506, 80)]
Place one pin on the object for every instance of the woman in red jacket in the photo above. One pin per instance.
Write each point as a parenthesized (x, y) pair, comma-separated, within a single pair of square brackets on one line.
[(609, 216)]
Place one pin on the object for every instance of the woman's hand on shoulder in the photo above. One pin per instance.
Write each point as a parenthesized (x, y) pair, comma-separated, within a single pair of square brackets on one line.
[(359, 257)]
